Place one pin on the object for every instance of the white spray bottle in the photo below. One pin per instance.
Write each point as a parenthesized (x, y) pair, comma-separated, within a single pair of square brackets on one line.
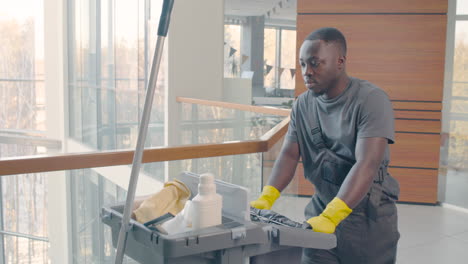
[(207, 204)]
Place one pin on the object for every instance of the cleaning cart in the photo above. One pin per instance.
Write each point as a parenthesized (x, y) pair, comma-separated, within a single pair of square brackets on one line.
[(237, 240)]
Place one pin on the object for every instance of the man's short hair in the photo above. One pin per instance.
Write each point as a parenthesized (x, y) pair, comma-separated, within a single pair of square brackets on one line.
[(329, 35)]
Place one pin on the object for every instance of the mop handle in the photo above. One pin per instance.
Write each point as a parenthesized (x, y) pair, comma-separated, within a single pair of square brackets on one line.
[(165, 17), (143, 129)]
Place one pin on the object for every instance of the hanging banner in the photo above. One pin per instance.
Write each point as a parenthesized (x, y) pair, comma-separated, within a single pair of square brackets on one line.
[(268, 69), (232, 51), (244, 58), (293, 72), (281, 71)]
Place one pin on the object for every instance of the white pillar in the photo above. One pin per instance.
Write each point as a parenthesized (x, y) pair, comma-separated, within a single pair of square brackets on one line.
[(195, 58), (56, 113)]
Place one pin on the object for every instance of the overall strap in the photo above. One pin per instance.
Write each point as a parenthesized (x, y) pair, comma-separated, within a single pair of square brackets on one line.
[(315, 131), (317, 137)]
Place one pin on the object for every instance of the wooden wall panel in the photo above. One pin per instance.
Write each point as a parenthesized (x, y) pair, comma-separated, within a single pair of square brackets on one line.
[(415, 150), (429, 115), (372, 6), (402, 54), (419, 126), (411, 150), (433, 106), (416, 185)]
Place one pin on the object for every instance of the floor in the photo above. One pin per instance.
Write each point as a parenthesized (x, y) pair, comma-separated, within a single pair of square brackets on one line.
[(432, 234), (455, 192), (429, 234)]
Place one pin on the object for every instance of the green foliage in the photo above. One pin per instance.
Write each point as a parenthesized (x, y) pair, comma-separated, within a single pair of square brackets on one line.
[(288, 104)]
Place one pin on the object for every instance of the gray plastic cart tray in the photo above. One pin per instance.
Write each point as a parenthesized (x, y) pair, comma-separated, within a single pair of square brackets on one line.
[(234, 241)]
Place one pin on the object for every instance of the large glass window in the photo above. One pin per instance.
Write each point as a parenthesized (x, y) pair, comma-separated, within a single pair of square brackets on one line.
[(269, 54), (111, 45), (462, 7), (22, 94), (279, 60), (457, 149), (23, 198), (232, 50), (454, 154), (93, 240), (287, 68)]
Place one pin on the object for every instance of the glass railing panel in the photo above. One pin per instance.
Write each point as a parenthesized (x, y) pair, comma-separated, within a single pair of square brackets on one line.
[(454, 155), (243, 170), (21, 143), (24, 204), (30, 213), (24, 229), (89, 192), (201, 124)]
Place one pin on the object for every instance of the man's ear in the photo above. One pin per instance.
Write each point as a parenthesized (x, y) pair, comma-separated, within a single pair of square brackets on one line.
[(341, 62)]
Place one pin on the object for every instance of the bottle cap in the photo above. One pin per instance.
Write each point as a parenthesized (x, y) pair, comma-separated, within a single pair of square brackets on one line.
[(206, 185)]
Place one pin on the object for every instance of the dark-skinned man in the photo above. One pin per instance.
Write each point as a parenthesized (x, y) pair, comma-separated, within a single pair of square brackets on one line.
[(340, 128)]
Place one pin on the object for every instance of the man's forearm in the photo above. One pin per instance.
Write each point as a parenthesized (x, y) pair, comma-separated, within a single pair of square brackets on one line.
[(369, 155), (283, 171), (357, 183)]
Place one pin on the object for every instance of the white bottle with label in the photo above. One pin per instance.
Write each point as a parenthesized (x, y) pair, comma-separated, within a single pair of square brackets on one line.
[(207, 204)]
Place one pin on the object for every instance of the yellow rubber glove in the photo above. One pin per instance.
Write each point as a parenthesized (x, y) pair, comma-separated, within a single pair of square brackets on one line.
[(335, 212), (171, 199), (267, 199)]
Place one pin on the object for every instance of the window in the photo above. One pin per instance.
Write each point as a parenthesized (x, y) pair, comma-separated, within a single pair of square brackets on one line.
[(269, 54), (286, 72), (455, 114), (280, 59), (22, 94), (111, 45), (232, 50), (23, 198)]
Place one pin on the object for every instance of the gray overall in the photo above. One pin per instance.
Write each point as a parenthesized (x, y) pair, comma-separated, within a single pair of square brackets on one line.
[(370, 233)]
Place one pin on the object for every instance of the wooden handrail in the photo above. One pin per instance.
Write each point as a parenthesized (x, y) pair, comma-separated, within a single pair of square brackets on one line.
[(248, 108), (115, 158), (276, 133), (38, 164)]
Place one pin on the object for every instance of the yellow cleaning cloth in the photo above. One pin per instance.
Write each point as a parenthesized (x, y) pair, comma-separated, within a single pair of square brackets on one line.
[(171, 199)]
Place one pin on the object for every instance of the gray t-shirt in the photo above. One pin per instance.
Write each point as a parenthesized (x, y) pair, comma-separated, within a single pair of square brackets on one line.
[(363, 110)]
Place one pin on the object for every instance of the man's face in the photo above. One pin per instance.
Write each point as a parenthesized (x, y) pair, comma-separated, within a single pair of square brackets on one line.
[(321, 65)]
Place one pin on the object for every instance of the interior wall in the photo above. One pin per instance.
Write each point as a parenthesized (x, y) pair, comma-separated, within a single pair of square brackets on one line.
[(195, 63), (195, 58), (400, 47)]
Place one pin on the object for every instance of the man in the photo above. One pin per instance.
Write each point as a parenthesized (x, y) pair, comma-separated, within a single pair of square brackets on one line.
[(341, 128)]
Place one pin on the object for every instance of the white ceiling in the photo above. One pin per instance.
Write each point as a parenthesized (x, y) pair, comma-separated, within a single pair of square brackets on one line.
[(287, 10)]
